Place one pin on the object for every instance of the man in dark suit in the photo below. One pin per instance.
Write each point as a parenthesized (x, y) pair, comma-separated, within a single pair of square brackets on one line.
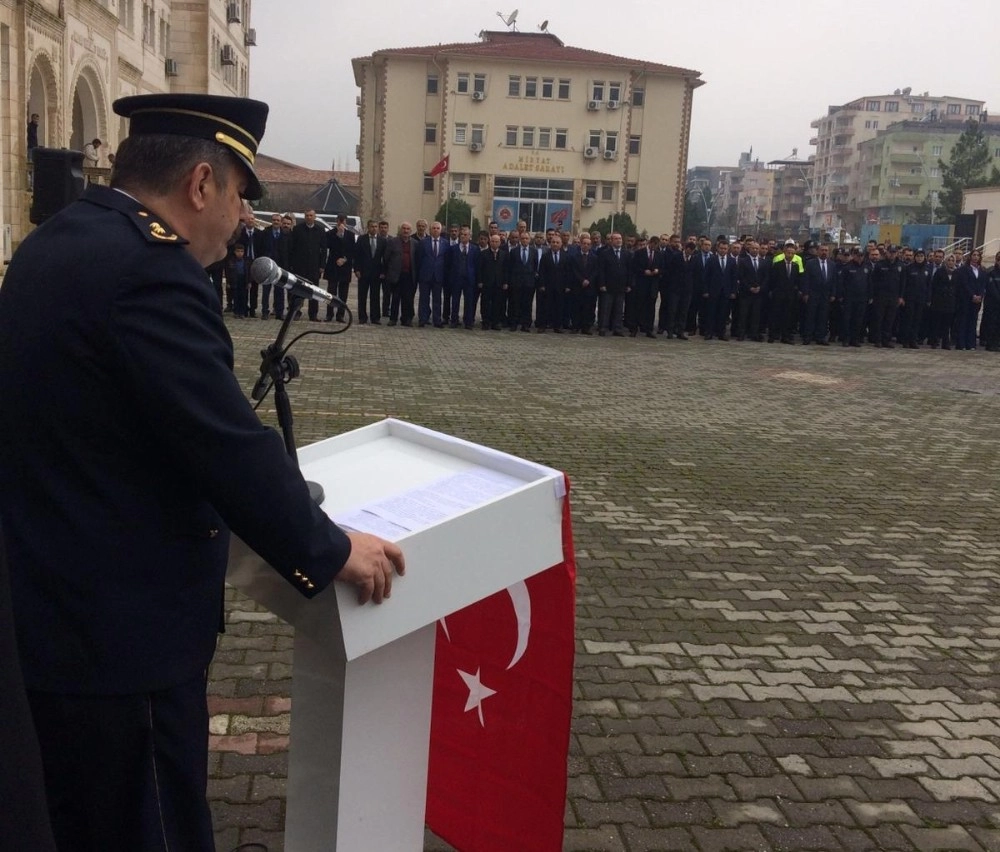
[(340, 246), (554, 282), (492, 283), (614, 281), (647, 273), (522, 278), (246, 236), (401, 275), (718, 289), (752, 272), (583, 269), (702, 256), (817, 293), (369, 266), (148, 456), (784, 284), (431, 275), (308, 253), (273, 243), (461, 274)]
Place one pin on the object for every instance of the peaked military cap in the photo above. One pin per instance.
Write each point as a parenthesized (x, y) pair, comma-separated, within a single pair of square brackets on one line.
[(234, 123)]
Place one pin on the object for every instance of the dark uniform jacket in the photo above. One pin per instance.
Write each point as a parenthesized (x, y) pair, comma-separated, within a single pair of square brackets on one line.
[(274, 246), (917, 284), (127, 454)]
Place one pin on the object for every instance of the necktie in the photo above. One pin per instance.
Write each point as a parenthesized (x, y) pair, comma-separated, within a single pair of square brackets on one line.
[(755, 264), (650, 257), (617, 255), (373, 244), (822, 264), (524, 256), (465, 249), (788, 269), (555, 258), (435, 247)]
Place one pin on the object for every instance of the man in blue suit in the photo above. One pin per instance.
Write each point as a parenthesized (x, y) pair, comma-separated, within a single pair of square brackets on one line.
[(718, 288), (462, 275), (431, 256)]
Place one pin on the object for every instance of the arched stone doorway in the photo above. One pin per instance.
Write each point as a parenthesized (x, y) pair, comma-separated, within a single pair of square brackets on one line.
[(43, 98), (89, 115)]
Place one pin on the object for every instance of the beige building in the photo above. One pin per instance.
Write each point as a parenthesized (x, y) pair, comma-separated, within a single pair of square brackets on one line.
[(984, 204), (68, 60), (533, 129), (839, 187)]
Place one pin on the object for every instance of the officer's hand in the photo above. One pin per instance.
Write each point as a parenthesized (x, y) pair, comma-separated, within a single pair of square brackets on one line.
[(370, 566)]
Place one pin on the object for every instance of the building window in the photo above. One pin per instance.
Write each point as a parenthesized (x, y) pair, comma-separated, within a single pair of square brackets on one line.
[(475, 185), (954, 109), (937, 150), (430, 134), (917, 108), (873, 106), (607, 191), (544, 137), (561, 136), (527, 137), (513, 86), (432, 84), (594, 139), (531, 87), (631, 192), (936, 172), (460, 130), (638, 97), (479, 83), (611, 140), (478, 134), (590, 190), (614, 91), (548, 87), (126, 16), (462, 84), (564, 90), (511, 136), (634, 144), (892, 106), (597, 90), (458, 185), (972, 109), (428, 183)]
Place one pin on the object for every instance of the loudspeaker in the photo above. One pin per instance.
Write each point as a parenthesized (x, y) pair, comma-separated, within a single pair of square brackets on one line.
[(58, 180)]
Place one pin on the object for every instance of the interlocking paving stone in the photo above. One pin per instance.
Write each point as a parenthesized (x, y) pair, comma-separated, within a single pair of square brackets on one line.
[(788, 602)]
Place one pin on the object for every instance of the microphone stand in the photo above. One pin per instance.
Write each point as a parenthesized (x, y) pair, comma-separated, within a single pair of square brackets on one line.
[(278, 369)]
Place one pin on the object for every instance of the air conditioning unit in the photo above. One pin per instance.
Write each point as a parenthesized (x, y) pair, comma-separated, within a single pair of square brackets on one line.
[(476, 147), (8, 243), (590, 153), (453, 195), (614, 104), (479, 96), (357, 152), (250, 37), (228, 55), (357, 100), (610, 155), (593, 106), (232, 13), (170, 67), (587, 201), (376, 148)]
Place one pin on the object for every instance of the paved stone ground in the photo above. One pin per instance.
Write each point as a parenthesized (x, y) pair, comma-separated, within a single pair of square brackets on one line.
[(788, 619)]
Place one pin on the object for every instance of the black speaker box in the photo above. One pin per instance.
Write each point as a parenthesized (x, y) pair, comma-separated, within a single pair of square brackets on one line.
[(58, 181)]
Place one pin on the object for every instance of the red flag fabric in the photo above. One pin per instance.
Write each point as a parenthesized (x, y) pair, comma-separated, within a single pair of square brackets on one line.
[(501, 713), (441, 166)]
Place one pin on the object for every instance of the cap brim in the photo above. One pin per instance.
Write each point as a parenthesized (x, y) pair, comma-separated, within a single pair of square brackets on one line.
[(254, 190)]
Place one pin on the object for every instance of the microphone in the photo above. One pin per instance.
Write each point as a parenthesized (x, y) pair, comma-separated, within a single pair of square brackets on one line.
[(265, 271)]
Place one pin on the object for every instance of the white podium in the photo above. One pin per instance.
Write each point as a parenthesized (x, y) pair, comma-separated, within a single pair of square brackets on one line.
[(363, 675)]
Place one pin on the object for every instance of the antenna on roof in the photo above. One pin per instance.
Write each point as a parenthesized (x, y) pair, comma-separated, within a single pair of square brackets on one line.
[(510, 20), (544, 26)]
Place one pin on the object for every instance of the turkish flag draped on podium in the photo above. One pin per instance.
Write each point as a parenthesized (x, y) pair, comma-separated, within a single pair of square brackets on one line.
[(501, 713)]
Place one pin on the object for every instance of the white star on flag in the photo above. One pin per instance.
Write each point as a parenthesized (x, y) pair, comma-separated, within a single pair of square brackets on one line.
[(478, 692)]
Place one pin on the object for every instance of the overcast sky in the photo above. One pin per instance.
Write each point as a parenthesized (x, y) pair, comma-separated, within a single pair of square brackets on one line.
[(769, 68)]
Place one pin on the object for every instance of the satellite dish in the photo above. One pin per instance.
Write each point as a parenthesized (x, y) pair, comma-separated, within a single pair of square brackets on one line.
[(512, 18), (544, 26)]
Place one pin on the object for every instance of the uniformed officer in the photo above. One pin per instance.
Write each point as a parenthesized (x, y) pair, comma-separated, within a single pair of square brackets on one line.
[(126, 456)]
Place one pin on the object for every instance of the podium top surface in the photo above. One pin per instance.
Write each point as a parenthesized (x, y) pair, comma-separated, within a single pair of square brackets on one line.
[(452, 561)]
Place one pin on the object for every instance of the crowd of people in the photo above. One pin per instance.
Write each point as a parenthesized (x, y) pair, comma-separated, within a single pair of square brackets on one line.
[(743, 290)]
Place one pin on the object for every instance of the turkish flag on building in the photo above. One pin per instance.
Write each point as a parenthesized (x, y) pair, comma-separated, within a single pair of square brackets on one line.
[(500, 719), (441, 167)]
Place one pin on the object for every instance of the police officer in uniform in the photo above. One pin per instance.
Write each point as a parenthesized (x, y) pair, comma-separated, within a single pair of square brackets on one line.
[(127, 456)]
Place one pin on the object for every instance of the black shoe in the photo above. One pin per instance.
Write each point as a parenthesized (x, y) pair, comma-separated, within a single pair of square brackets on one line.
[(376, 322), (618, 333), (328, 319), (822, 343), (280, 317), (316, 319), (843, 343), (392, 323), (439, 325), (453, 325), (856, 345), (265, 315), (496, 327), (709, 337), (682, 336), (602, 333), (406, 324), (724, 337), (586, 331), (421, 324), (470, 325), (525, 329), (540, 329), (253, 314), (650, 334), (558, 330)]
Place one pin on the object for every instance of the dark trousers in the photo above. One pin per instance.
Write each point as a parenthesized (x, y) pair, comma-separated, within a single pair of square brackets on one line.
[(910, 322), (714, 309), (966, 318), (853, 316), (430, 298), (279, 301), (369, 298), (883, 317), (781, 323), (252, 288), (611, 308), (239, 287), (401, 302), (463, 302), (748, 316), (815, 317), (678, 303), (127, 773), (491, 304), (551, 304), (585, 305), (216, 275), (341, 289), (645, 294), (522, 296), (387, 293), (940, 326)]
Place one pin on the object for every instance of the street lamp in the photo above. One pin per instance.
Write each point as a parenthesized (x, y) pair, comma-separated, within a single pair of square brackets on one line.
[(700, 193)]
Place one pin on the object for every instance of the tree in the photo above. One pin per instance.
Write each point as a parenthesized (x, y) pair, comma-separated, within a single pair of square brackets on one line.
[(620, 222), (457, 212), (697, 211), (968, 167), (929, 212)]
